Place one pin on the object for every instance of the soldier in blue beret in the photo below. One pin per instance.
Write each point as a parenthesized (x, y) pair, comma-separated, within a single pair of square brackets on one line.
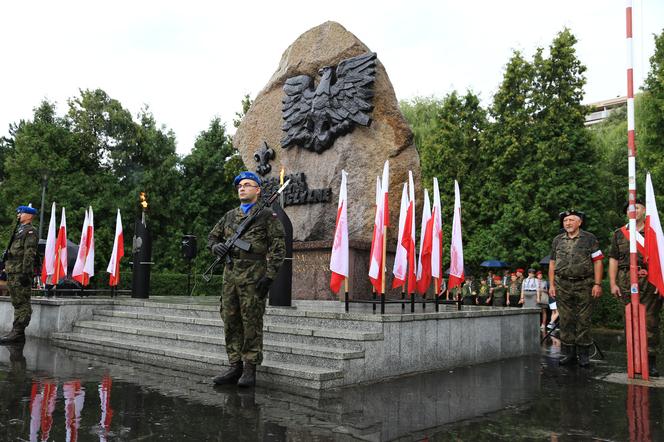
[(247, 280), (19, 265)]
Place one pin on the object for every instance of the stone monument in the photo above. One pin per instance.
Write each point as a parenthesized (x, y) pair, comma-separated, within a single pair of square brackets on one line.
[(329, 106)]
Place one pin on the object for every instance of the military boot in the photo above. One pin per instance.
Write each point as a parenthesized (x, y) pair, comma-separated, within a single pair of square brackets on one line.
[(248, 378), (231, 375), (584, 355), (568, 355), (652, 366), (16, 335)]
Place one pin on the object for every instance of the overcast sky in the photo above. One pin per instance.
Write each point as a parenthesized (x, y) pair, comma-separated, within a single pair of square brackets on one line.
[(191, 61)]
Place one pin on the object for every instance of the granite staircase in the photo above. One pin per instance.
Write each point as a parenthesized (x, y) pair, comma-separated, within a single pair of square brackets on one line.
[(302, 348)]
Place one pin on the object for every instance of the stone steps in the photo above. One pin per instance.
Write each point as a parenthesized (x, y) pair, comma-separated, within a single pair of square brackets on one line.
[(290, 352), (310, 349), (202, 363)]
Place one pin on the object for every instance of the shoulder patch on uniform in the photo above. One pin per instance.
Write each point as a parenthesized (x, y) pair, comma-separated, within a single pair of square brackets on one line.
[(30, 232)]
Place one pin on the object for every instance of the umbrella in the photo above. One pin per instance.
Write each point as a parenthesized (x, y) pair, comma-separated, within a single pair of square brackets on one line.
[(495, 263), (545, 261)]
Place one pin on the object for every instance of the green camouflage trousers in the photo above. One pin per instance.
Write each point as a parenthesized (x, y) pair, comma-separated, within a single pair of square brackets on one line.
[(651, 300), (575, 306), (242, 309), (19, 291)]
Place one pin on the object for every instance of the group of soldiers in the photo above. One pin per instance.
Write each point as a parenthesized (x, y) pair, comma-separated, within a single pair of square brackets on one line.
[(574, 281)]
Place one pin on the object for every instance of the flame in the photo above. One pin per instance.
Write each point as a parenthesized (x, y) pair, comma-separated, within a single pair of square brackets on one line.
[(281, 176), (143, 200)]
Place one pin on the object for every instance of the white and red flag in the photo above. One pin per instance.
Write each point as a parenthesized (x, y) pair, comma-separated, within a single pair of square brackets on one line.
[(339, 258), (437, 235), (48, 266), (60, 266), (381, 221), (85, 259), (654, 240), (400, 268), (456, 250), (117, 254), (426, 233), (409, 240)]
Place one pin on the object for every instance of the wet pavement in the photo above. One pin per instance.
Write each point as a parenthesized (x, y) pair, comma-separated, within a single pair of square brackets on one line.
[(48, 393)]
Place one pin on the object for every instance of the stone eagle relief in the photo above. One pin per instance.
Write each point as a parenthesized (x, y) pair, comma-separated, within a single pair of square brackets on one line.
[(314, 118)]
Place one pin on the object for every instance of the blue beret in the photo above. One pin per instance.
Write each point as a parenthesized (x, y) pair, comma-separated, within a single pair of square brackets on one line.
[(26, 209), (246, 175)]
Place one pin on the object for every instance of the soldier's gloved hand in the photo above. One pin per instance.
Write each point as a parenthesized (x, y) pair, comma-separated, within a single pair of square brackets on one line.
[(220, 249), (263, 285)]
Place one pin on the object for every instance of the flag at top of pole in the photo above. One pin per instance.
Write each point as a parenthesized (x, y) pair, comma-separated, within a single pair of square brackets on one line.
[(48, 266), (84, 267), (117, 254), (437, 235), (426, 235), (339, 258), (456, 249), (654, 240), (381, 221), (400, 268), (60, 266)]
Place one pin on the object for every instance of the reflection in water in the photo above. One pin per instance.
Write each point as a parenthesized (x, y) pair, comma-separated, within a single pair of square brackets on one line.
[(529, 397)]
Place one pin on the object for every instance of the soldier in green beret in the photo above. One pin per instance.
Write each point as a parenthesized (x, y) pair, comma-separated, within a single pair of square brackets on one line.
[(247, 280), (19, 265), (575, 276), (620, 282)]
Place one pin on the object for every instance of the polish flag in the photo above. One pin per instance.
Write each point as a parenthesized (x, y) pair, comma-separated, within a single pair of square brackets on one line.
[(456, 250), (60, 270), (48, 266), (381, 221), (339, 258), (426, 233), (74, 400), (654, 240), (400, 268), (85, 267), (409, 240), (437, 234), (118, 252)]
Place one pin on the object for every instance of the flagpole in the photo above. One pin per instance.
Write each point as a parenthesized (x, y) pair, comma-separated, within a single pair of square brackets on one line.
[(637, 361), (346, 293), (383, 266)]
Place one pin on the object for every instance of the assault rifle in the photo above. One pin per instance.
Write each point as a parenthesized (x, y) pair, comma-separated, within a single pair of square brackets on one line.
[(236, 240), (5, 254)]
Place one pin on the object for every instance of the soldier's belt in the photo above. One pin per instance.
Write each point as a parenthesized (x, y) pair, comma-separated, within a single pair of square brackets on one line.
[(249, 256), (575, 278)]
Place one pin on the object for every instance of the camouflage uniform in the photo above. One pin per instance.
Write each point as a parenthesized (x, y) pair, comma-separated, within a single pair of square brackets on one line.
[(483, 294), (574, 278), (468, 293), (242, 305), (20, 271), (647, 292), (514, 290)]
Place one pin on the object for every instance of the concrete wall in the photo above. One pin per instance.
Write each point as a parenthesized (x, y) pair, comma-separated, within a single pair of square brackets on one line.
[(51, 315)]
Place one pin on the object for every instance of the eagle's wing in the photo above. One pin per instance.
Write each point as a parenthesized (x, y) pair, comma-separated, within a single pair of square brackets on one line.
[(351, 96), (296, 103)]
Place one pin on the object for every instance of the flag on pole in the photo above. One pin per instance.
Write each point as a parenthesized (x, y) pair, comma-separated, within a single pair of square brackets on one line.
[(456, 250), (400, 268), (381, 222), (426, 233), (376, 256), (339, 258), (654, 240), (409, 240), (117, 254), (60, 269), (48, 266), (437, 234), (84, 267)]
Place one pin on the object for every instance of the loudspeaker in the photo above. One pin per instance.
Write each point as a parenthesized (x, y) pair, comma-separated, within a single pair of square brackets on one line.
[(189, 246)]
